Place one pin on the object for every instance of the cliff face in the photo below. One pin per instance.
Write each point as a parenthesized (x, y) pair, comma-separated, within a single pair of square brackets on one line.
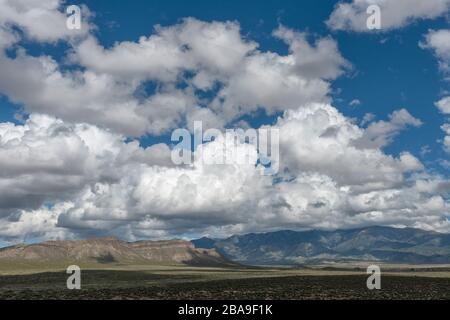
[(111, 250)]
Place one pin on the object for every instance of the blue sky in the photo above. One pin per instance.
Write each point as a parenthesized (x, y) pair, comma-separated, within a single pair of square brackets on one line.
[(389, 71), (89, 151)]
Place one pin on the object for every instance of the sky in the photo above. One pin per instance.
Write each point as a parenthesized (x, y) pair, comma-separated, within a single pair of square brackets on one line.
[(87, 115)]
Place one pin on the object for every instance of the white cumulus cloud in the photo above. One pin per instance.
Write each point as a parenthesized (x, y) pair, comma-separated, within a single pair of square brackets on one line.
[(352, 15)]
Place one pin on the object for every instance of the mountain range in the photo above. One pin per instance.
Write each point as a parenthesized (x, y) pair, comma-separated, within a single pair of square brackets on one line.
[(279, 248), (384, 244)]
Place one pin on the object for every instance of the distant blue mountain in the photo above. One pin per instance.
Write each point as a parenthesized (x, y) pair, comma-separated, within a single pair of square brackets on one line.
[(385, 244)]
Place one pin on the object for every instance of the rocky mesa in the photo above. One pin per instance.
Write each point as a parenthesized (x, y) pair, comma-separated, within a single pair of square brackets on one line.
[(112, 251)]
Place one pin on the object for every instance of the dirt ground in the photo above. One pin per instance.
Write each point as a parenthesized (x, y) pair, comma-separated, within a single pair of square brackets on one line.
[(222, 284)]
